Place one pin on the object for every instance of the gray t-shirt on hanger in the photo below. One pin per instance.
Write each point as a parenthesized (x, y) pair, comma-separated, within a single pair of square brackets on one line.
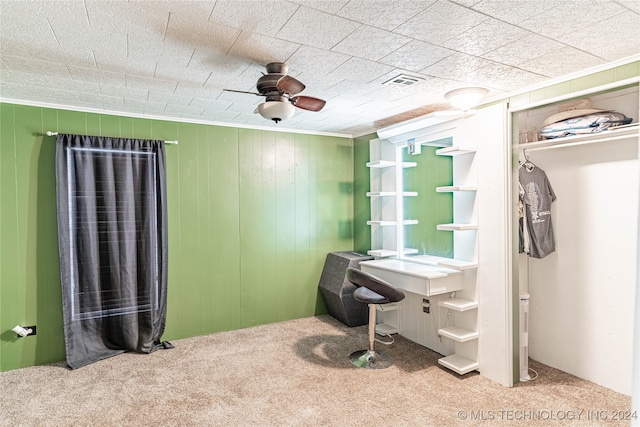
[(538, 196)]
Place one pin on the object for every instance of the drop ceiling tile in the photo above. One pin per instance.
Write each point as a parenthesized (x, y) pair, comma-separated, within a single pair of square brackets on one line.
[(59, 96), (195, 91), (107, 101), (97, 76), (215, 114), (317, 29), (484, 38), (36, 66), (387, 15), (13, 91), (124, 92), (360, 70), (571, 15), (146, 106), (572, 60), (13, 48), (632, 5), (63, 55), (514, 12), (23, 78), (262, 17), (503, 77), (416, 55), (26, 22), (370, 43), (329, 6), (191, 9), (457, 66), (524, 49), (73, 85), (140, 47), (210, 104), (142, 18), (435, 25), (182, 110), (466, 3), (153, 85), (315, 61), (169, 98), (611, 39), (262, 49), (219, 64), (119, 63), (187, 32), (168, 71), (437, 86)]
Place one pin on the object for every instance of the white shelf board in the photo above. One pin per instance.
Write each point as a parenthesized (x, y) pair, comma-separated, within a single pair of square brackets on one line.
[(381, 164), (386, 253), (454, 151), (390, 193), (451, 188), (385, 329), (385, 222), (389, 164), (618, 132), (458, 304), (457, 227), (380, 222), (409, 164), (445, 262), (459, 364), (457, 333), (381, 253), (387, 307)]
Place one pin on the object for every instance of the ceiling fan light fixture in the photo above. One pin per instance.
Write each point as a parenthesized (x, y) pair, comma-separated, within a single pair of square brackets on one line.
[(465, 98), (276, 110)]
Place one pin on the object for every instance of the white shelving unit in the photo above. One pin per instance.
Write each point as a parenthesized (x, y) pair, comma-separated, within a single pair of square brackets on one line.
[(462, 310), (457, 227), (451, 325), (458, 304), (452, 188), (385, 196)]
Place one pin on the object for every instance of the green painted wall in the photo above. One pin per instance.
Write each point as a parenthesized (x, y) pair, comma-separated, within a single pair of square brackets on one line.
[(361, 185), (252, 216), (430, 208)]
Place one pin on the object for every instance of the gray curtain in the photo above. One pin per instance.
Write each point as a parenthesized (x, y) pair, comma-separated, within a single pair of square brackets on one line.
[(112, 235)]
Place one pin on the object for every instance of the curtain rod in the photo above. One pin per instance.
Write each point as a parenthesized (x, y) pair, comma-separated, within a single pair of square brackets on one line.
[(49, 133)]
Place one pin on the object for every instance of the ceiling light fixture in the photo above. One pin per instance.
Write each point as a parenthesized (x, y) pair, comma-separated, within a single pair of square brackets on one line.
[(276, 110), (465, 98)]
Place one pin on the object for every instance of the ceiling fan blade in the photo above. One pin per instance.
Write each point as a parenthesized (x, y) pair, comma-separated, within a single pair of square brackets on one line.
[(308, 103), (288, 84), (242, 91)]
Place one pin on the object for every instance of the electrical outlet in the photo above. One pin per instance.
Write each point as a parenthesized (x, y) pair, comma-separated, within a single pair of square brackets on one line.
[(33, 330), (426, 306)]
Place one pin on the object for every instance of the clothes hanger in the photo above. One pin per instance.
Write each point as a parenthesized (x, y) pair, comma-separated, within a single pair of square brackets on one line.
[(527, 163)]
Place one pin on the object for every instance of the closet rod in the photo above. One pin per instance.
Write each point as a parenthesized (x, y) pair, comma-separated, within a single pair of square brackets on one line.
[(572, 144), (50, 133)]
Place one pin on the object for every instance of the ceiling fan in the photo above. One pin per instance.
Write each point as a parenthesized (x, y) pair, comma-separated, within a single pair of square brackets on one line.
[(279, 89)]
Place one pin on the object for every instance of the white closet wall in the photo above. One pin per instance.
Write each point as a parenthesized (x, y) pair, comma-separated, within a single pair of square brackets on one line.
[(582, 296)]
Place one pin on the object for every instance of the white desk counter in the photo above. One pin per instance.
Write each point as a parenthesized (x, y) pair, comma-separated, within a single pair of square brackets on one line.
[(414, 277)]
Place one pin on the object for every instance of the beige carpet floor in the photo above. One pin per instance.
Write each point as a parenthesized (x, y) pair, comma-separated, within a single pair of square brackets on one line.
[(293, 373)]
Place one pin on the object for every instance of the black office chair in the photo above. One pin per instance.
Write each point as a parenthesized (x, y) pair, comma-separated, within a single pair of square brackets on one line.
[(372, 291)]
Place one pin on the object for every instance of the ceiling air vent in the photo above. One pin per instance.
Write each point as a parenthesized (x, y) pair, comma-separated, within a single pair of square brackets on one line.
[(404, 80)]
